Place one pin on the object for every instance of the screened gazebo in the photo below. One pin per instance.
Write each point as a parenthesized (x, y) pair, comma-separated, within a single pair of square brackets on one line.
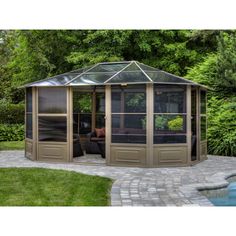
[(126, 113)]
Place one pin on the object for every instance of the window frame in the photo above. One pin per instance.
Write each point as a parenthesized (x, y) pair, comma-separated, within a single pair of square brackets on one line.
[(52, 114), (203, 115), (29, 112), (158, 133), (122, 113)]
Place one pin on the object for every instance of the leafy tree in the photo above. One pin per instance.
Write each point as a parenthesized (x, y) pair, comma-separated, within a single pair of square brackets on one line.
[(226, 61)]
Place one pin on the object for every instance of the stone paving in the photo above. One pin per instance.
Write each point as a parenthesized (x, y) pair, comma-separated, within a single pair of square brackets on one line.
[(176, 186)]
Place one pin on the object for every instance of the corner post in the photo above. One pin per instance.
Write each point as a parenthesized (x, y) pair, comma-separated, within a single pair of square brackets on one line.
[(188, 104), (108, 123), (149, 124), (70, 123)]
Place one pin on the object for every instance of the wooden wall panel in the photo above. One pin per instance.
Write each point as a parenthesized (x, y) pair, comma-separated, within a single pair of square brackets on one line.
[(55, 152), (203, 150), (29, 149), (128, 156), (167, 155)]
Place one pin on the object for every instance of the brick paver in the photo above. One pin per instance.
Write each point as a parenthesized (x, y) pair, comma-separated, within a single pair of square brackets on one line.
[(176, 186)]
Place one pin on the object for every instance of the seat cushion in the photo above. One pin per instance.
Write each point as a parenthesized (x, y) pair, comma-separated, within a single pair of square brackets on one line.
[(100, 132), (96, 139)]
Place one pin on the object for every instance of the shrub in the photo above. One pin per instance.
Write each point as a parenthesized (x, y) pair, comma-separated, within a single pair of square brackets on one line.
[(11, 132), (176, 124), (12, 113), (222, 127)]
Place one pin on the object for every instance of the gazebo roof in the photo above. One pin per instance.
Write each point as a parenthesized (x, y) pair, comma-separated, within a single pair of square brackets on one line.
[(125, 72)]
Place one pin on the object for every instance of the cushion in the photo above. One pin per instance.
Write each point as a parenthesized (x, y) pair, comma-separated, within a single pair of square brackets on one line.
[(100, 132), (95, 139)]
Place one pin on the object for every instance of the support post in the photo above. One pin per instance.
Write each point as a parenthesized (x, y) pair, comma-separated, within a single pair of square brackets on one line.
[(108, 123), (189, 131), (70, 123), (149, 124)]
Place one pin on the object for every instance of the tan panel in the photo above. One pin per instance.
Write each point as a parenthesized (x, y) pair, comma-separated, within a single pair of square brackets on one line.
[(56, 152), (170, 155), (29, 149), (203, 150), (128, 156)]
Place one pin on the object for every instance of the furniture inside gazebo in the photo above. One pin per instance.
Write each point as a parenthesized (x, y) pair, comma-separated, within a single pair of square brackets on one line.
[(129, 113)]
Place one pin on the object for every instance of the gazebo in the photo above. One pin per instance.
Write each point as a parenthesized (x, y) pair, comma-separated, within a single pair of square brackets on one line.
[(129, 113)]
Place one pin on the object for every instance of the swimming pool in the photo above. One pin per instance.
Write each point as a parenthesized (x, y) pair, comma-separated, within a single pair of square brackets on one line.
[(223, 196)]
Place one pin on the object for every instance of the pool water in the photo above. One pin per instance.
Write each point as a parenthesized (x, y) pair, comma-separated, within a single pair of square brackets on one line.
[(228, 199), (222, 196)]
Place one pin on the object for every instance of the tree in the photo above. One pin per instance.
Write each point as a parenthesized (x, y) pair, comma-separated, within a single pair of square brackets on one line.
[(225, 65)]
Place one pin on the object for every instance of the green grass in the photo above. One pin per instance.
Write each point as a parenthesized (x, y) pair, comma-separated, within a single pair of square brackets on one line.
[(47, 187), (13, 145)]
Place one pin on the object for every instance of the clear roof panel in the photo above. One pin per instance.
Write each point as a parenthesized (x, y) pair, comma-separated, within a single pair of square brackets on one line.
[(129, 77), (163, 77), (59, 80), (90, 79), (127, 72), (113, 67), (132, 67), (79, 71), (147, 68)]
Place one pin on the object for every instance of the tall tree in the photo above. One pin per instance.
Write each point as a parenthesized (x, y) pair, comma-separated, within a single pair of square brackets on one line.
[(225, 65)]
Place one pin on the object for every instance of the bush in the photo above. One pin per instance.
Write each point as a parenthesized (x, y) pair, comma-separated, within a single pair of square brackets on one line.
[(12, 113), (176, 124), (11, 132), (222, 127)]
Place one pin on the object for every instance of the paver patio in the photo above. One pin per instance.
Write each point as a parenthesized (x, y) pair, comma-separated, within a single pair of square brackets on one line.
[(175, 186)]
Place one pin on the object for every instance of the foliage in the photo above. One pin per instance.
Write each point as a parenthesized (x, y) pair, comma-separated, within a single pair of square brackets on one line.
[(218, 72), (82, 102), (164, 49), (135, 102), (11, 113), (169, 122), (226, 61), (11, 132), (160, 122), (144, 122), (222, 126), (45, 187), (12, 145), (176, 124), (205, 71)]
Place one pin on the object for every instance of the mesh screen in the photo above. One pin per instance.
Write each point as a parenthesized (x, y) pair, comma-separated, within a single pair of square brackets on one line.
[(52, 128)]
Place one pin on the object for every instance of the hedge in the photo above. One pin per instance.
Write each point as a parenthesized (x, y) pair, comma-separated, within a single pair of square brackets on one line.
[(12, 132), (12, 113), (221, 132)]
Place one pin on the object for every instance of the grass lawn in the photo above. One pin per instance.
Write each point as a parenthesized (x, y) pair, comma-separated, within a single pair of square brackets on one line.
[(47, 187), (13, 145)]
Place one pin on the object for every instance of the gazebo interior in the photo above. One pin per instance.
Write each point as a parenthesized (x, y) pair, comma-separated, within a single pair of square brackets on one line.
[(116, 113)]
